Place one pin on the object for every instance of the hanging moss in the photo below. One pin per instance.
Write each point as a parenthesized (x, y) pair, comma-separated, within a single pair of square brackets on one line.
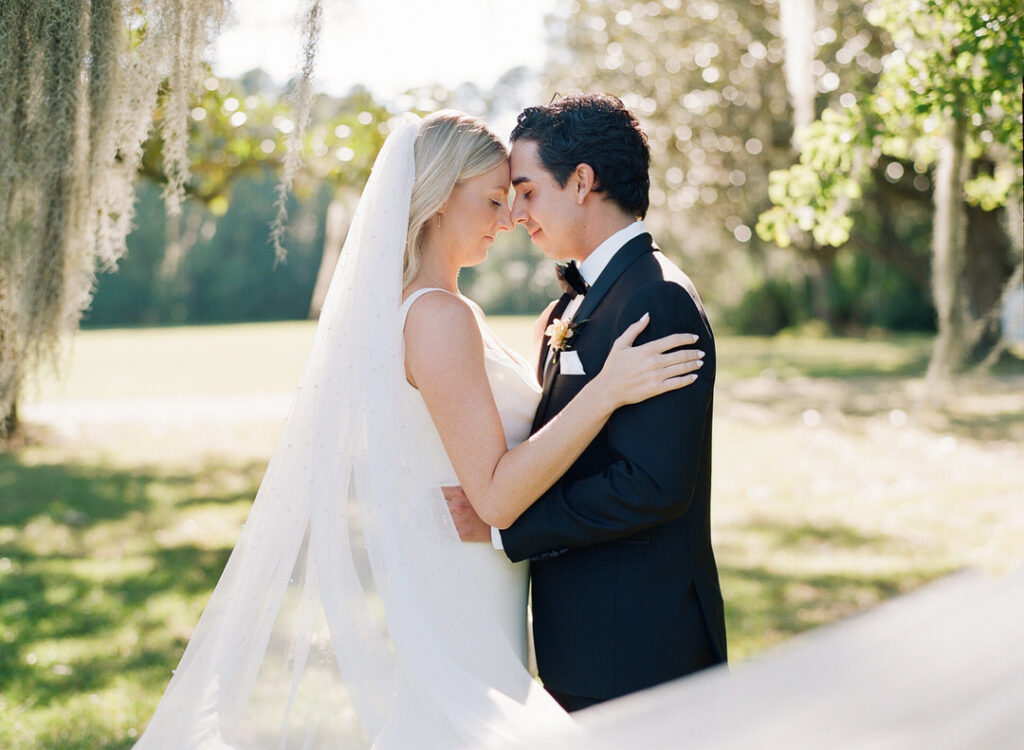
[(79, 83), (302, 103)]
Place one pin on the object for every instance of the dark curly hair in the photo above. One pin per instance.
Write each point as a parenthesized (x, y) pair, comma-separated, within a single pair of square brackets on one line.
[(598, 130)]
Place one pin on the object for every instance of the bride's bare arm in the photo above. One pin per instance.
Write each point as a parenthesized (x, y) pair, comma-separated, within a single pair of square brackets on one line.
[(445, 360)]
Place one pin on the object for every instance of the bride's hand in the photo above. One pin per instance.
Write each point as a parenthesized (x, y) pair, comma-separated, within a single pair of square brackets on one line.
[(636, 373), (541, 323)]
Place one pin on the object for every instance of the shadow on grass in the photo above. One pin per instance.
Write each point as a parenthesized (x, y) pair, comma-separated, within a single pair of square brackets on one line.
[(765, 607), (81, 494), (797, 536), (766, 604), (1003, 426), (44, 601), (75, 494), (793, 356), (91, 599)]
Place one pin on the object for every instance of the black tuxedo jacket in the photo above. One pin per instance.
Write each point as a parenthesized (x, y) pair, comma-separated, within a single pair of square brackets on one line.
[(624, 582)]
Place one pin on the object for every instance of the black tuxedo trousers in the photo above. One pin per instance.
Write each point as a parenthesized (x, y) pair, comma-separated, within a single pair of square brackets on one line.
[(625, 588)]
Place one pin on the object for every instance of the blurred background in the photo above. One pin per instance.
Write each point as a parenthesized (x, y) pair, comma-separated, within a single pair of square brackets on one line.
[(840, 178), (708, 82)]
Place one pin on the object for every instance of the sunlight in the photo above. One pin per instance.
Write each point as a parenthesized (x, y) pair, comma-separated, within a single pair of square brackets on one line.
[(389, 45)]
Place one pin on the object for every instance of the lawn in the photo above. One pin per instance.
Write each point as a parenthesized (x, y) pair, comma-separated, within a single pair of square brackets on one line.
[(839, 482)]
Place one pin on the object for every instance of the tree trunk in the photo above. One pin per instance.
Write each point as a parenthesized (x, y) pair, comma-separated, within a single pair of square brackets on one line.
[(989, 265), (949, 259), (9, 423), (339, 216), (823, 268)]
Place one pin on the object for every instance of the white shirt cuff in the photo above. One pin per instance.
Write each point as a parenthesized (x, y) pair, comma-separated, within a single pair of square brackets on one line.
[(496, 538)]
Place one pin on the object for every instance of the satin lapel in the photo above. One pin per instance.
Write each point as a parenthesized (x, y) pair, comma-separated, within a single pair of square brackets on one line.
[(622, 260), (545, 396), (563, 303)]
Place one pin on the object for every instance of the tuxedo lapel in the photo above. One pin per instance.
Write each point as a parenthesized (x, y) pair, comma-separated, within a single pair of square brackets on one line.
[(622, 260), (548, 370), (563, 303)]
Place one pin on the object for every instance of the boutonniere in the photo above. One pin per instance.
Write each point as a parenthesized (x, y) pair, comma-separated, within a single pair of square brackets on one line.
[(561, 333)]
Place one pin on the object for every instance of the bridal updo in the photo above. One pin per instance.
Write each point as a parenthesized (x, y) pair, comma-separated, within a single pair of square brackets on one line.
[(451, 147)]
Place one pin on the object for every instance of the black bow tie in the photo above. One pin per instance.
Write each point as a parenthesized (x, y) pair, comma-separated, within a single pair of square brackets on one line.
[(570, 279)]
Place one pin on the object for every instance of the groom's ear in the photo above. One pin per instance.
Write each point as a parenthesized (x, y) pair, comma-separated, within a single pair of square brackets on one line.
[(585, 181)]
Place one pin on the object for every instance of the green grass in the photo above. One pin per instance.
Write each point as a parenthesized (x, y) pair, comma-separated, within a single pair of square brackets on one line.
[(839, 482)]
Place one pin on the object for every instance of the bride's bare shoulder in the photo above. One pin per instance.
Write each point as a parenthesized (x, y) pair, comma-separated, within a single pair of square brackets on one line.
[(441, 323)]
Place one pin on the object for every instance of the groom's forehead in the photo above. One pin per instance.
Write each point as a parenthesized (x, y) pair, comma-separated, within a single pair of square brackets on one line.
[(525, 162)]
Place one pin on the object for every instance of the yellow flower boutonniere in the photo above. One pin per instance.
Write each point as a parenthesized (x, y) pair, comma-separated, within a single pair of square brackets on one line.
[(560, 334)]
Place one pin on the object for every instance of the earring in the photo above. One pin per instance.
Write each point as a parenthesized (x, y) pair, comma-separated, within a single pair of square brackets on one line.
[(439, 220)]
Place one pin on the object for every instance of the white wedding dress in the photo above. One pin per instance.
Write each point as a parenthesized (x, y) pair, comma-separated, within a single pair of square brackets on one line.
[(502, 583), (516, 394), (349, 614)]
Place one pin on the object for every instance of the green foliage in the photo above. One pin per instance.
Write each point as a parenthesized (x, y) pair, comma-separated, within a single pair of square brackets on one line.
[(816, 194), (870, 294), (211, 263), (707, 82), (768, 308), (229, 272), (240, 128), (953, 61)]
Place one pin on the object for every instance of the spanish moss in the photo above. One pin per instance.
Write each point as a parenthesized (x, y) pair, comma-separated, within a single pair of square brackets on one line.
[(79, 83), (302, 103)]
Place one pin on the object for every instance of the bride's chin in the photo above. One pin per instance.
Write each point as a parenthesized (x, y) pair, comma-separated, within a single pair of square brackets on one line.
[(479, 258)]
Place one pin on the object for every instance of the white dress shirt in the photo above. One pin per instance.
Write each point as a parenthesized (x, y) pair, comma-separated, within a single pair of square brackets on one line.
[(596, 262), (590, 270)]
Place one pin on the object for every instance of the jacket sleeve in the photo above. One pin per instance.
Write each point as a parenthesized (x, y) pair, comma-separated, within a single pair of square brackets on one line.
[(656, 447)]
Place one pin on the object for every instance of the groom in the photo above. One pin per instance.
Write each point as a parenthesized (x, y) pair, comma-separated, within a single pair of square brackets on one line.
[(625, 586)]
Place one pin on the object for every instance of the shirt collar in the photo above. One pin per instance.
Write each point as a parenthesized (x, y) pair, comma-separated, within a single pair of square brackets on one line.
[(591, 268)]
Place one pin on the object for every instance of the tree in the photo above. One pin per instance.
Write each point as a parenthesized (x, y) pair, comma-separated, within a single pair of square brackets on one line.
[(948, 101), (237, 141), (78, 87), (718, 87), (706, 82)]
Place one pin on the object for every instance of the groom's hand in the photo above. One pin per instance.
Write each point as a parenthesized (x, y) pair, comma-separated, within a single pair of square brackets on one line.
[(467, 522)]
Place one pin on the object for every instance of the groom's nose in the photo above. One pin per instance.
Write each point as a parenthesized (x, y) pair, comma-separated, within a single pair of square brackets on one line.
[(505, 221), (519, 214)]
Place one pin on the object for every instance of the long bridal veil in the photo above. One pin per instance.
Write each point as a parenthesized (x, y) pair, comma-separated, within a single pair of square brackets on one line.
[(347, 615)]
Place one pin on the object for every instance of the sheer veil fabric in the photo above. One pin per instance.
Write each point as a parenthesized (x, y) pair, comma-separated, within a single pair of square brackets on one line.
[(347, 615)]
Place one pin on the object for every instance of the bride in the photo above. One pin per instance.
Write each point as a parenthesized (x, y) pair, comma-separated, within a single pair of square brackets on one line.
[(349, 613)]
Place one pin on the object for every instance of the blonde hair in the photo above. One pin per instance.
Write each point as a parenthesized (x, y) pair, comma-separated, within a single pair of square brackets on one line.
[(451, 147)]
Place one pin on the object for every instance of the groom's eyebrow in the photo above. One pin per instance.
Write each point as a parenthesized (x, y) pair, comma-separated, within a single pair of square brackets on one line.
[(516, 181)]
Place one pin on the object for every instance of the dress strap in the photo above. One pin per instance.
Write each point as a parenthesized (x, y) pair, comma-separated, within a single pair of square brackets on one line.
[(403, 311)]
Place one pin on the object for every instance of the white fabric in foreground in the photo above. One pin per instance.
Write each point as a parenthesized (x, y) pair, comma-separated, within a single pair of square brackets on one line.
[(941, 668), (347, 615)]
